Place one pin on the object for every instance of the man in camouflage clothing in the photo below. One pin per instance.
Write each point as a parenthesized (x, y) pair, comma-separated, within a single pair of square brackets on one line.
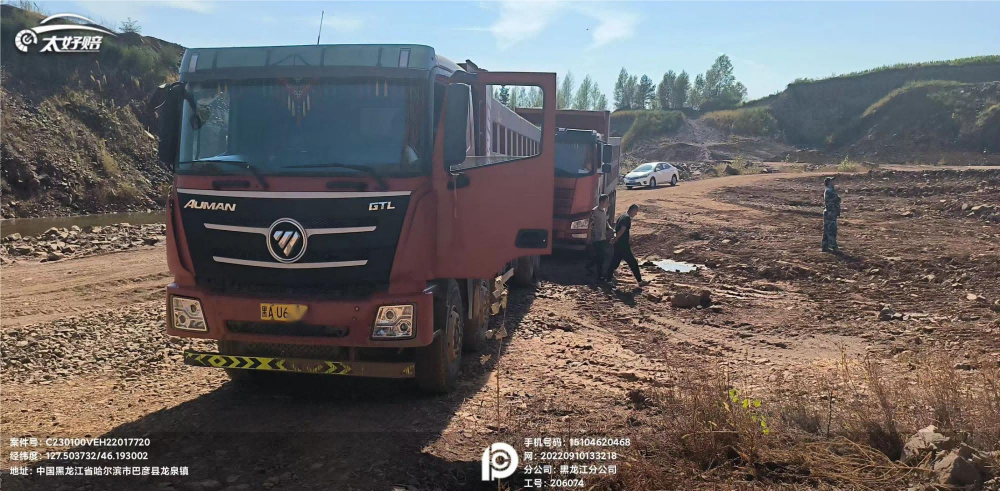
[(831, 212)]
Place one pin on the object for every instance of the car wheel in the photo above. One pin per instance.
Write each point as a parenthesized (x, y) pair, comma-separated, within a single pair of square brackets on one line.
[(652, 183), (673, 180)]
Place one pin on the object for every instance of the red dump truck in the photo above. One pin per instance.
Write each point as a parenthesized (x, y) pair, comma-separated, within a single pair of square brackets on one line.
[(348, 209), (587, 165)]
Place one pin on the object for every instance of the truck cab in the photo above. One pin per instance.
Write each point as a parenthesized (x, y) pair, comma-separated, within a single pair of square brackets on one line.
[(336, 209)]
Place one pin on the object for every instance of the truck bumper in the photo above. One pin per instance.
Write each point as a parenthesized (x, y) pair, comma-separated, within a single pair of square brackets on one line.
[(300, 365), (349, 322), (565, 238)]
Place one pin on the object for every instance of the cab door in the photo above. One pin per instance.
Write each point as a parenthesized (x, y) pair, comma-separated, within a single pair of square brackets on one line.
[(496, 205)]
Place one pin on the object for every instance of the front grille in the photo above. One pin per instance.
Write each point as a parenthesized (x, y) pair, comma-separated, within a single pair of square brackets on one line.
[(279, 329), (376, 247), (563, 201), (328, 292)]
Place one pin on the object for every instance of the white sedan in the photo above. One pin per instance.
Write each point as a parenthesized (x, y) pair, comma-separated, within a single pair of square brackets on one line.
[(651, 174)]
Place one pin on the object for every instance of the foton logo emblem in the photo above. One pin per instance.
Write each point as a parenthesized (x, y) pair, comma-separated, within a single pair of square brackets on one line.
[(205, 205), (381, 205)]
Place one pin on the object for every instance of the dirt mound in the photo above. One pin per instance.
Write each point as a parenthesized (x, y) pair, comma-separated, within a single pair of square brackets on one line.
[(696, 142), (76, 134), (931, 122)]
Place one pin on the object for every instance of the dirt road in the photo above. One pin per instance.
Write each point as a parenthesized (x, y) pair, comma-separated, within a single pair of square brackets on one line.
[(84, 352)]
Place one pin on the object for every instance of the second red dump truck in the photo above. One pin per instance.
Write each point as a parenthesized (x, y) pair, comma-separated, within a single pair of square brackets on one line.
[(587, 165), (348, 209)]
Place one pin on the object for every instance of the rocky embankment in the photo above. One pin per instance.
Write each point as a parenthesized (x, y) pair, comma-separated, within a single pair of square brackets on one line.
[(62, 243)]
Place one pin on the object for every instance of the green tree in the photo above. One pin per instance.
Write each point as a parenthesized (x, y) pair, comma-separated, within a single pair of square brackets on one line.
[(564, 96), (665, 91), (129, 25), (697, 95), (584, 92), (595, 95), (534, 98), (721, 88), (645, 91), (503, 95), (518, 97), (628, 96), (619, 92), (679, 95), (601, 104)]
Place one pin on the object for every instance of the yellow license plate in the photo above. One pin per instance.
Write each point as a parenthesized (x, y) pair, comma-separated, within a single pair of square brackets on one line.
[(282, 312)]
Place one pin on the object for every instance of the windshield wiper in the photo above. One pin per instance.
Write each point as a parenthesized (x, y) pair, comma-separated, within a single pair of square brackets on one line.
[(238, 163), (382, 184)]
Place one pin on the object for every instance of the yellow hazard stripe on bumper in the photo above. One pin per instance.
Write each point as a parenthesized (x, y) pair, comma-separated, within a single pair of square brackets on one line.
[(299, 365)]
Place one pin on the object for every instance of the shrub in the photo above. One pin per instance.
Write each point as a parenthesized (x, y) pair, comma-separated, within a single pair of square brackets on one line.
[(651, 123), (130, 26), (879, 104), (751, 121)]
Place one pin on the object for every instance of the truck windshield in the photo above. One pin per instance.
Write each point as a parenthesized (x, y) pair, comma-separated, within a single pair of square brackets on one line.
[(283, 126), (574, 159)]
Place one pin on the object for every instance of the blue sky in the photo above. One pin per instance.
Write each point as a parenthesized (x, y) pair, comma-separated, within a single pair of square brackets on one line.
[(770, 44)]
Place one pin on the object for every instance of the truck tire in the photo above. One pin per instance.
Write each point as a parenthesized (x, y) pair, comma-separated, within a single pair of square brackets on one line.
[(474, 338), (525, 270), (437, 364)]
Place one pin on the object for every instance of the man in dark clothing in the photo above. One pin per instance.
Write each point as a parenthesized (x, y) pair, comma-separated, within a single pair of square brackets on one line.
[(600, 233), (831, 211), (623, 246)]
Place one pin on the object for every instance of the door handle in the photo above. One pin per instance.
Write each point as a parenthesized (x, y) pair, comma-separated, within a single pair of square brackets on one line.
[(459, 181)]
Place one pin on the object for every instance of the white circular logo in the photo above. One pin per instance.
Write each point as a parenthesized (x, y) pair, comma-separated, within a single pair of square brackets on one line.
[(499, 461), (24, 39), (286, 240)]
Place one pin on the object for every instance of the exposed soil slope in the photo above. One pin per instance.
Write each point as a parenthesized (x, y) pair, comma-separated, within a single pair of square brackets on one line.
[(77, 137)]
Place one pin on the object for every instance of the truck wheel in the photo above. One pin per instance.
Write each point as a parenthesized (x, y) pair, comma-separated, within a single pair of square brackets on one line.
[(524, 271), (237, 375), (437, 364), (474, 338)]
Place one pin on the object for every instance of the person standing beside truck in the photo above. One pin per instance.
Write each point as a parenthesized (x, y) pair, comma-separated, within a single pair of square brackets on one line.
[(600, 232), (623, 246)]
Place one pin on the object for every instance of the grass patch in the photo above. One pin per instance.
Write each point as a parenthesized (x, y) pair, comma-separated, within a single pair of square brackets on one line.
[(751, 121), (991, 113), (879, 104), (972, 60), (739, 166), (649, 124), (849, 165)]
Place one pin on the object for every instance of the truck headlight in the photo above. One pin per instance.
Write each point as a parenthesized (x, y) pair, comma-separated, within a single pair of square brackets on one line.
[(580, 224), (186, 314), (394, 322)]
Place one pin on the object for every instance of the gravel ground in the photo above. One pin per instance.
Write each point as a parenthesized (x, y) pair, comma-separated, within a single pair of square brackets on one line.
[(126, 342), (62, 243)]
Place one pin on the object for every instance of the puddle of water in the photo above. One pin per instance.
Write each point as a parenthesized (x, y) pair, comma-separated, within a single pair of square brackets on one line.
[(672, 266), (35, 226)]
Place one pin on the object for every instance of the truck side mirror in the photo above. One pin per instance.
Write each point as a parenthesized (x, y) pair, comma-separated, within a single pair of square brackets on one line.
[(166, 101), (605, 168), (607, 154), (458, 103)]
